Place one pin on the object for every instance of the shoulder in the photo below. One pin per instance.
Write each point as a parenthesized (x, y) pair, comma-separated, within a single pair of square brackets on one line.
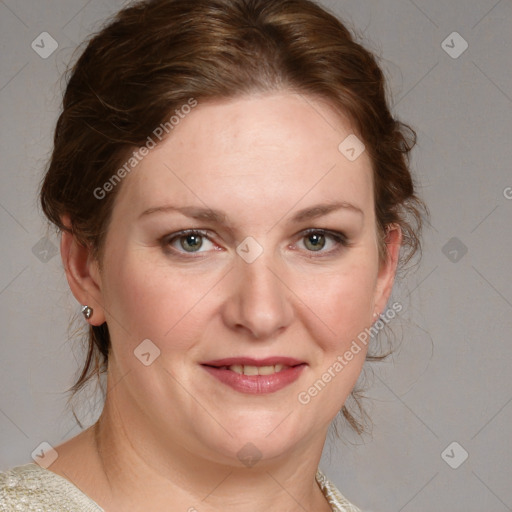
[(31, 487), (337, 501)]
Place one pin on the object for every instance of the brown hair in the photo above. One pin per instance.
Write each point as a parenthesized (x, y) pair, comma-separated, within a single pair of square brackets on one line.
[(155, 55)]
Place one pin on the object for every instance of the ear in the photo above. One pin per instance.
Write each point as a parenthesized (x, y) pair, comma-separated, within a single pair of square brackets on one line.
[(387, 270), (82, 272)]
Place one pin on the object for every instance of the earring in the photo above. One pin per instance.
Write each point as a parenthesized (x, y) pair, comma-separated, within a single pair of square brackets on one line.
[(87, 312), (375, 315)]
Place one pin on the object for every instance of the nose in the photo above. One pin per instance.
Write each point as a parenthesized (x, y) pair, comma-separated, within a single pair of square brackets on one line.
[(259, 300)]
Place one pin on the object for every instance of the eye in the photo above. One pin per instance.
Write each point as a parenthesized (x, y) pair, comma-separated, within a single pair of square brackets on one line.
[(194, 241), (316, 240), (188, 241)]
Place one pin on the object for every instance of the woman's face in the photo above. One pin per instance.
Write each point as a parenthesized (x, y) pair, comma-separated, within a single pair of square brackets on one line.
[(280, 268)]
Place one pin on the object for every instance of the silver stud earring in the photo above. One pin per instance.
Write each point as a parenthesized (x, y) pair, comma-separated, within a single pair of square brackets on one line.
[(87, 312)]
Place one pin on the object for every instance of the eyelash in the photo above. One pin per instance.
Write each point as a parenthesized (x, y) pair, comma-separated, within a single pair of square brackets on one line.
[(340, 240)]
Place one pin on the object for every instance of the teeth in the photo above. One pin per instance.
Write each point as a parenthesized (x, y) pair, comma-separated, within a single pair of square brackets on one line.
[(251, 370), (266, 370), (256, 370)]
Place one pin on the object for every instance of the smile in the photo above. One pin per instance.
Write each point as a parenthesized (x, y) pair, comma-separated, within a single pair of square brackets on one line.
[(252, 376)]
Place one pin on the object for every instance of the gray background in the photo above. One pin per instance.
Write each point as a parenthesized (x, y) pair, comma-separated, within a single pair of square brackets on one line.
[(450, 380)]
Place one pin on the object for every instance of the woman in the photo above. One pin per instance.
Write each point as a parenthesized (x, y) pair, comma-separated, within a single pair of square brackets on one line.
[(234, 198)]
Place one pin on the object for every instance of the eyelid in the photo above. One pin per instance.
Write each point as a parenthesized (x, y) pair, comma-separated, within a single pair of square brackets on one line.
[(338, 235)]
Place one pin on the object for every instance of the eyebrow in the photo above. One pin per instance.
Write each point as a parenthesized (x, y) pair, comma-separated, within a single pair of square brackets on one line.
[(218, 216)]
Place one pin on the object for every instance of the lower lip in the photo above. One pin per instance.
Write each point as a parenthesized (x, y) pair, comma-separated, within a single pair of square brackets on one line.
[(256, 384)]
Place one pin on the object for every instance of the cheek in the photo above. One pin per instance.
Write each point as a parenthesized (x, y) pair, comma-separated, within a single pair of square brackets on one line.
[(344, 307), (145, 299), (341, 301)]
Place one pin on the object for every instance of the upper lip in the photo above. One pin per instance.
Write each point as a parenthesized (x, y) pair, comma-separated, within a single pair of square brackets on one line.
[(250, 361)]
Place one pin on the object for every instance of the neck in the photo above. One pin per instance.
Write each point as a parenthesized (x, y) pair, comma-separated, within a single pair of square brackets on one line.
[(142, 472)]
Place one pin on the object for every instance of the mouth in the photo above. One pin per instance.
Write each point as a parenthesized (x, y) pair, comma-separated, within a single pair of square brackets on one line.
[(243, 369), (255, 376)]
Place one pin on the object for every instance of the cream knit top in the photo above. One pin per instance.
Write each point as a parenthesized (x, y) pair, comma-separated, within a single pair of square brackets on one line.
[(33, 488)]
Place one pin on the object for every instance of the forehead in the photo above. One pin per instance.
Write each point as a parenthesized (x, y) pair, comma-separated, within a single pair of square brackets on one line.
[(261, 150)]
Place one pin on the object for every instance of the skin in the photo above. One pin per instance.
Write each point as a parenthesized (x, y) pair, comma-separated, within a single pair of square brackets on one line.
[(169, 433)]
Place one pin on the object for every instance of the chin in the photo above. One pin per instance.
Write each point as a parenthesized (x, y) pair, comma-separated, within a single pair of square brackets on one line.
[(253, 440)]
